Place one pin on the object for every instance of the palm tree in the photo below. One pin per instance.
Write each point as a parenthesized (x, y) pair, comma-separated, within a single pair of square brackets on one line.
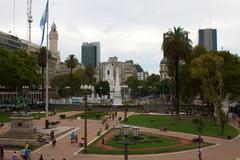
[(176, 46), (71, 62)]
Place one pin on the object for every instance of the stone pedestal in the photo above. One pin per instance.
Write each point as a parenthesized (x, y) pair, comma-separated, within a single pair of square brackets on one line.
[(21, 132)]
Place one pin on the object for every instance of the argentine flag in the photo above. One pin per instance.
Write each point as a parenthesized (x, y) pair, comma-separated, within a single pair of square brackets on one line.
[(43, 22)]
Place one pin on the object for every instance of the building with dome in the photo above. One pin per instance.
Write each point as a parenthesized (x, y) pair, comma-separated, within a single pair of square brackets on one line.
[(163, 69)]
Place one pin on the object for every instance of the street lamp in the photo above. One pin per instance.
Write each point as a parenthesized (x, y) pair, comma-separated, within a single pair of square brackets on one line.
[(126, 132), (86, 90)]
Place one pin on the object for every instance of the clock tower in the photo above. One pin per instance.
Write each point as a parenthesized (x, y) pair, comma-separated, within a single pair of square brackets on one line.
[(53, 43)]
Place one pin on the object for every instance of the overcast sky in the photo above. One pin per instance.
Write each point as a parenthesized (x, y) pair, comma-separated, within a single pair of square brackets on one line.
[(128, 29)]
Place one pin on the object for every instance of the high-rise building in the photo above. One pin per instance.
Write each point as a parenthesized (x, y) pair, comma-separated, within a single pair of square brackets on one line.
[(208, 39), (90, 53)]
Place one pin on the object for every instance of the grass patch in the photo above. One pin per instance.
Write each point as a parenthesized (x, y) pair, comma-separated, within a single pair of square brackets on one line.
[(90, 115), (179, 125), (65, 109), (144, 141), (168, 144), (5, 116)]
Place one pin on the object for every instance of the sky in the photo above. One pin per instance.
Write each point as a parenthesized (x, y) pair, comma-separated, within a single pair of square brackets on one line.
[(128, 29)]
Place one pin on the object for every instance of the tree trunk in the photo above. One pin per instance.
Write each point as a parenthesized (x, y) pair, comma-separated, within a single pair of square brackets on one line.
[(176, 81)]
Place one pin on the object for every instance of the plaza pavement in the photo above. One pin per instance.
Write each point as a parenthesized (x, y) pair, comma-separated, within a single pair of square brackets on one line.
[(224, 150)]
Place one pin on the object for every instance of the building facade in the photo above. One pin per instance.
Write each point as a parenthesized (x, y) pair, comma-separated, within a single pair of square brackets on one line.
[(163, 69), (126, 69), (11, 42), (208, 39), (90, 53), (8, 41)]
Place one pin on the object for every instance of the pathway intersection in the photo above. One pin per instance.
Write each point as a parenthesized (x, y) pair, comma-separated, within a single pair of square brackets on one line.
[(223, 150)]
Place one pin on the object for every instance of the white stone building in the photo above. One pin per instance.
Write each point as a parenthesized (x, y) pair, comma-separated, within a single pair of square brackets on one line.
[(106, 69), (163, 69)]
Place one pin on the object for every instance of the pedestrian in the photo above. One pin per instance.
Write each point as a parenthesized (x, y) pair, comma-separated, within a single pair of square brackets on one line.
[(81, 142), (27, 153), (41, 157), (1, 153), (72, 135), (54, 142), (76, 138), (14, 156), (52, 135)]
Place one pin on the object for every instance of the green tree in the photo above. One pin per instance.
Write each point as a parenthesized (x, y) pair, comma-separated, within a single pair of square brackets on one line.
[(61, 83), (89, 72), (133, 84), (102, 88), (208, 68), (71, 62), (176, 46), (42, 64)]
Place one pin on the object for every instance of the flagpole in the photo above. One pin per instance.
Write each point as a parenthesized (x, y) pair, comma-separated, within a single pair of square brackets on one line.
[(46, 121)]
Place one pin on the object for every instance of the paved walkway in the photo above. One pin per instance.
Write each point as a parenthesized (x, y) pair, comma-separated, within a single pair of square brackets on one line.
[(63, 147), (224, 150)]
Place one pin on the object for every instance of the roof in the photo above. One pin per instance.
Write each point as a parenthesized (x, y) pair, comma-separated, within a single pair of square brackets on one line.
[(163, 61)]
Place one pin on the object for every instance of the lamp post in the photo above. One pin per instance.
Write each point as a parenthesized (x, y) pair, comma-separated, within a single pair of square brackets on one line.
[(126, 131), (86, 90)]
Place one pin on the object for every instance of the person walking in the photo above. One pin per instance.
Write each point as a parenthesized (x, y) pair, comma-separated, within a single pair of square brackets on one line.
[(54, 142), (72, 135), (52, 135), (1, 153), (14, 156), (76, 138), (41, 157), (27, 154)]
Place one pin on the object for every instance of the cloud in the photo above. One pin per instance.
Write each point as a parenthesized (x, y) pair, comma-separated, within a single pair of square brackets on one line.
[(129, 29)]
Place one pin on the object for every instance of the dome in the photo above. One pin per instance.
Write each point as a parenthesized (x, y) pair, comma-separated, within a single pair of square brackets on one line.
[(163, 61)]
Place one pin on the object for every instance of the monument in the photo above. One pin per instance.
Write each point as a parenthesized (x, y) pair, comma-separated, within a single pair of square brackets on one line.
[(117, 98), (21, 129)]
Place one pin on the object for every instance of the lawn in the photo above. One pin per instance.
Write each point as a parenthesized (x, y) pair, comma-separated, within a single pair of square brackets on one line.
[(179, 125), (65, 109), (4, 116), (144, 141), (90, 115), (146, 144)]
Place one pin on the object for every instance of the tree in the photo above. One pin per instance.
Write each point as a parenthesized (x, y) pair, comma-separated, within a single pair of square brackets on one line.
[(42, 64), (71, 62), (176, 46), (208, 68), (102, 88), (89, 72), (133, 84), (60, 82), (18, 69)]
